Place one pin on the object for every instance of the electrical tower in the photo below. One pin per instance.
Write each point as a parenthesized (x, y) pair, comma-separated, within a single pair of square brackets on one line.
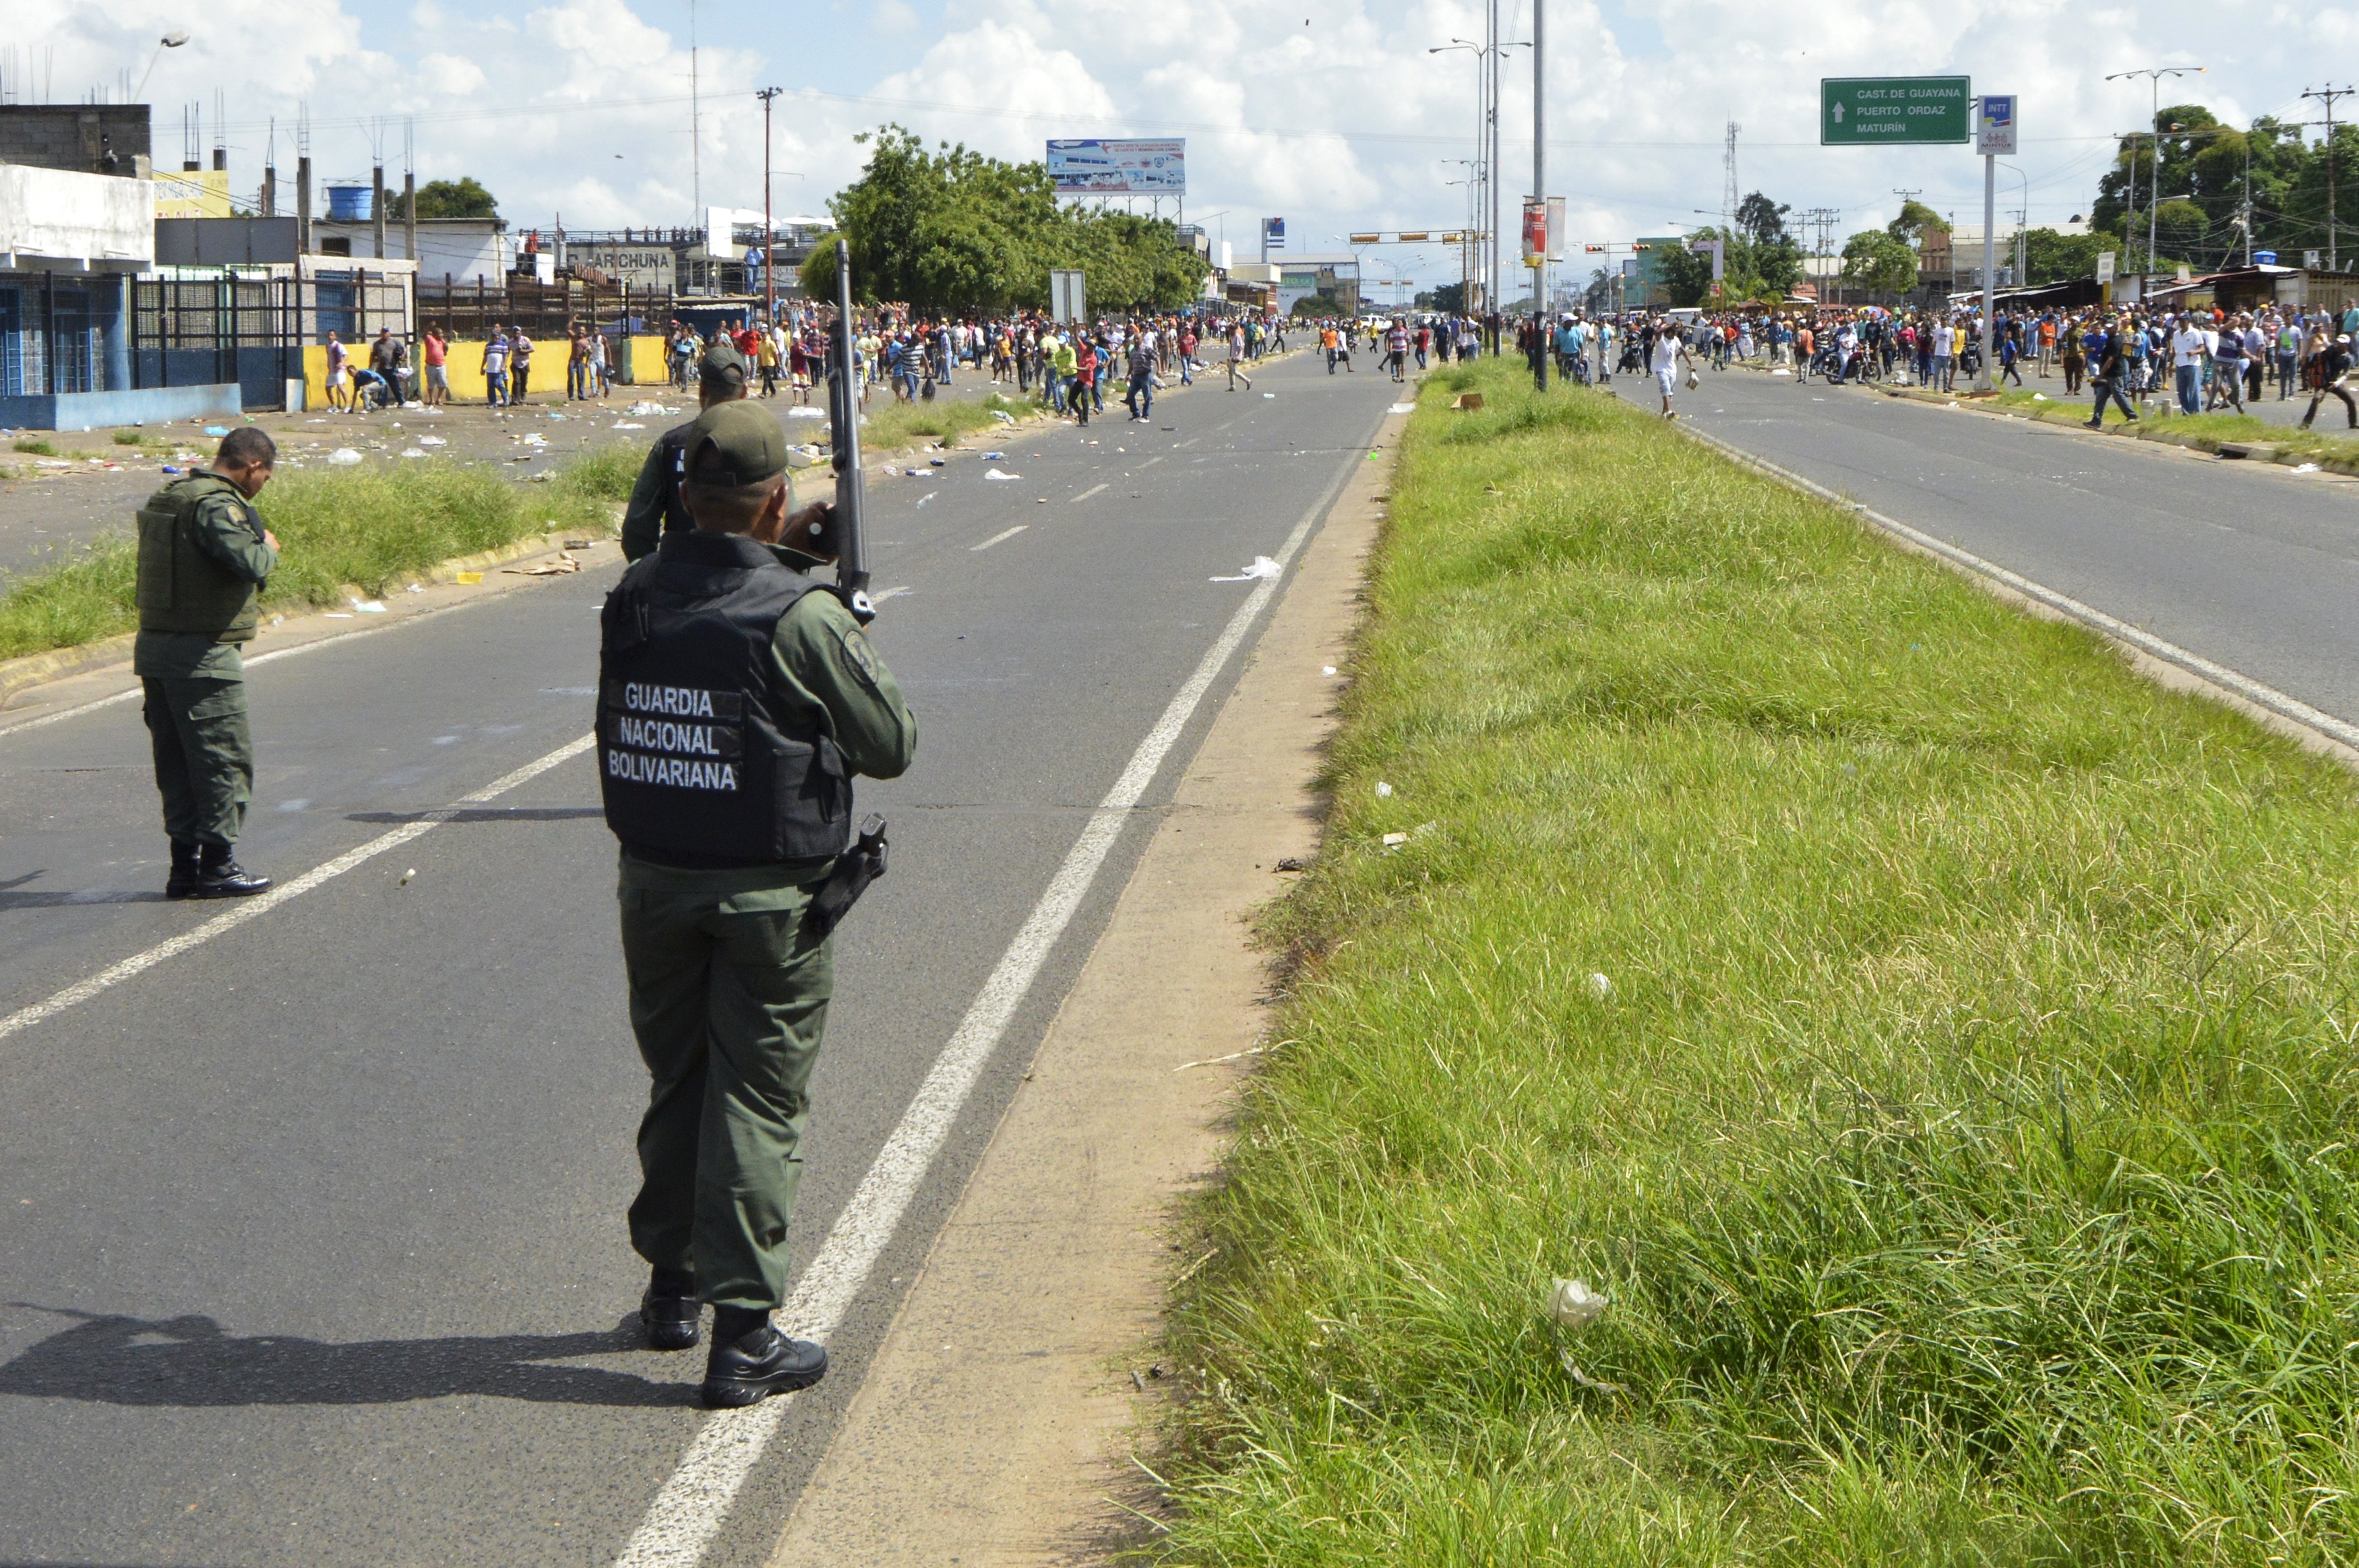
[(2327, 95), (1730, 200)]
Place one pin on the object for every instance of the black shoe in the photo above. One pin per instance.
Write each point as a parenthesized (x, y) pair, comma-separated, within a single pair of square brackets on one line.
[(219, 876), (749, 1369), (669, 1311), (182, 881)]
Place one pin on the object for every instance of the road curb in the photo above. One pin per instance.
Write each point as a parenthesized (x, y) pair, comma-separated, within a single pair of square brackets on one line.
[(2164, 662), (1056, 1256)]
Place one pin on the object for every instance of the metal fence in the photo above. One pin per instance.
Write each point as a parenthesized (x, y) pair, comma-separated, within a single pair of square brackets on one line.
[(252, 331), (545, 310)]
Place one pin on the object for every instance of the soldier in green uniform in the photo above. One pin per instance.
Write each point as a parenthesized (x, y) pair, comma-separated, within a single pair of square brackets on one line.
[(654, 509), (203, 557), (737, 697)]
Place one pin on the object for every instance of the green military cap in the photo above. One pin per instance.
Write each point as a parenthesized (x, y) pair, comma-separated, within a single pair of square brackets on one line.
[(735, 444), (722, 364)]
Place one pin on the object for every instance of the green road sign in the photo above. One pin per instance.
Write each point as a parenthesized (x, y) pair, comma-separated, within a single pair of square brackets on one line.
[(1906, 111)]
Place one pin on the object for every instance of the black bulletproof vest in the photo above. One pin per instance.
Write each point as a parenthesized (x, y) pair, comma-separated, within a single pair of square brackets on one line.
[(700, 762)]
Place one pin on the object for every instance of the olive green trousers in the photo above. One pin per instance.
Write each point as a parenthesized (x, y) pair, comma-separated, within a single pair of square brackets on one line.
[(204, 756), (728, 997)]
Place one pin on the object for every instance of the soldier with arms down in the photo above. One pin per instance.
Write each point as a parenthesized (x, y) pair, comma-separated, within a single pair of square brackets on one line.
[(737, 697), (654, 509), (204, 558)]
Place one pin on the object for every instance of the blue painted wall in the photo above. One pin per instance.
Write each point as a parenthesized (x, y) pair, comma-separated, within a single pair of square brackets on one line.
[(99, 410)]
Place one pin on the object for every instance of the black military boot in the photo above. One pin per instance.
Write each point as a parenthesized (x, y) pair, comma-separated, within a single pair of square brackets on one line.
[(752, 1360), (219, 876), (670, 1311), (182, 881)]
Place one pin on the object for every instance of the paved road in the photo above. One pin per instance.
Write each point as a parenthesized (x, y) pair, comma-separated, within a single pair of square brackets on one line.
[(2252, 566), (310, 1238)]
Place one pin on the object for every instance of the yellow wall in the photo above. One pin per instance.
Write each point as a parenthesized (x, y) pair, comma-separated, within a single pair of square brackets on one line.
[(464, 361)]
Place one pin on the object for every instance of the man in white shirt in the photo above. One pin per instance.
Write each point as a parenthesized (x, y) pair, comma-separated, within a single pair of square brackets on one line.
[(1669, 349), (2189, 346)]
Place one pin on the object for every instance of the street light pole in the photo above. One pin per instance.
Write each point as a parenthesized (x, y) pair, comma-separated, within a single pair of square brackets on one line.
[(2154, 75), (170, 41)]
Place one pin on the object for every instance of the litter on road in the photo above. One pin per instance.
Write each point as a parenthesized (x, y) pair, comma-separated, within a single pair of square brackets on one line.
[(1262, 566), (343, 457), (993, 474)]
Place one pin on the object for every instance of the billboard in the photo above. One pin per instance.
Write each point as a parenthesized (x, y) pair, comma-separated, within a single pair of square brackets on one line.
[(1090, 165)]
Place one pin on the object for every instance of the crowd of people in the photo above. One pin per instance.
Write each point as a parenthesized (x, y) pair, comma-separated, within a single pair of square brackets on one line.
[(2186, 359)]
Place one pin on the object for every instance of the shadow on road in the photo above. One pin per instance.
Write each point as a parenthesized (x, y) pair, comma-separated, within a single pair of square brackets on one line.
[(189, 1360), (68, 900)]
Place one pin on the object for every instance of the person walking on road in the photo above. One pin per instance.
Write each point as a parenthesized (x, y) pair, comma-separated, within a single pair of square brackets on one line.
[(1237, 357), (2333, 376), (203, 556), (655, 508), (739, 699), (1139, 397), (2109, 365), (1664, 360)]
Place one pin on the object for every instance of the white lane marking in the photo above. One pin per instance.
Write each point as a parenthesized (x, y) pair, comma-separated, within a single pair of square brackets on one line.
[(1087, 493), (890, 594), (688, 1512), (1150, 462), (2146, 642), (78, 709), (246, 909), (1001, 536)]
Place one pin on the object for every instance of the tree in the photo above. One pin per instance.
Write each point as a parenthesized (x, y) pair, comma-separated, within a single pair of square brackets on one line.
[(1449, 299), (1914, 220), (1762, 220), (1880, 262), (2050, 256), (1686, 274), (818, 268), (952, 228), (462, 198), (1317, 305)]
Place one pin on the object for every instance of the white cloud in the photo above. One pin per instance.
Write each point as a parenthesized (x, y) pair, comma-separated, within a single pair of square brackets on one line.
[(1331, 113)]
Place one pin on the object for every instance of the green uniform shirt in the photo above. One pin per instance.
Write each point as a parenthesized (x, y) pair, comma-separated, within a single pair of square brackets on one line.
[(643, 518), (822, 665), (220, 530)]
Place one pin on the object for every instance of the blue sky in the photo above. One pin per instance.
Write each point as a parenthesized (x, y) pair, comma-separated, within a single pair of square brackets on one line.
[(1328, 112)]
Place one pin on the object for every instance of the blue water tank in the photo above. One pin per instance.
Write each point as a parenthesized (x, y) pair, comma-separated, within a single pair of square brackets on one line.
[(349, 204)]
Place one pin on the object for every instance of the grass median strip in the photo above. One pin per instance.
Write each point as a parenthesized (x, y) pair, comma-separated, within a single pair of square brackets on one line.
[(371, 528), (1934, 1040)]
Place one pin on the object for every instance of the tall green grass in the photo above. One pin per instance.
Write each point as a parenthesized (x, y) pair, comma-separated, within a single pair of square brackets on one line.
[(1938, 1043), (892, 425), (371, 528)]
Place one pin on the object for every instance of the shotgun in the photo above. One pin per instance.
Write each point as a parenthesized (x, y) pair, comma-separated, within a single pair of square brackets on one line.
[(843, 420)]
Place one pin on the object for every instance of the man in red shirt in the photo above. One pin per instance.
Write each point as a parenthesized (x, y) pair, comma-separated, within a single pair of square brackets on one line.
[(438, 379)]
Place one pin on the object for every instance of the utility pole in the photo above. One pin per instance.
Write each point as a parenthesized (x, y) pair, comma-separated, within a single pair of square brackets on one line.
[(1824, 218), (770, 228), (2327, 95), (1729, 201), (1540, 194), (695, 132), (1496, 277), (2154, 75)]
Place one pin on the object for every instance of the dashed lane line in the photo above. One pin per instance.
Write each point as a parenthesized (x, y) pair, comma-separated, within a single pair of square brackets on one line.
[(246, 909), (1001, 538)]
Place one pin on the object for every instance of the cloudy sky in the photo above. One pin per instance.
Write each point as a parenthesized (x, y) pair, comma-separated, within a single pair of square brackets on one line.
[(1331, 113)]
